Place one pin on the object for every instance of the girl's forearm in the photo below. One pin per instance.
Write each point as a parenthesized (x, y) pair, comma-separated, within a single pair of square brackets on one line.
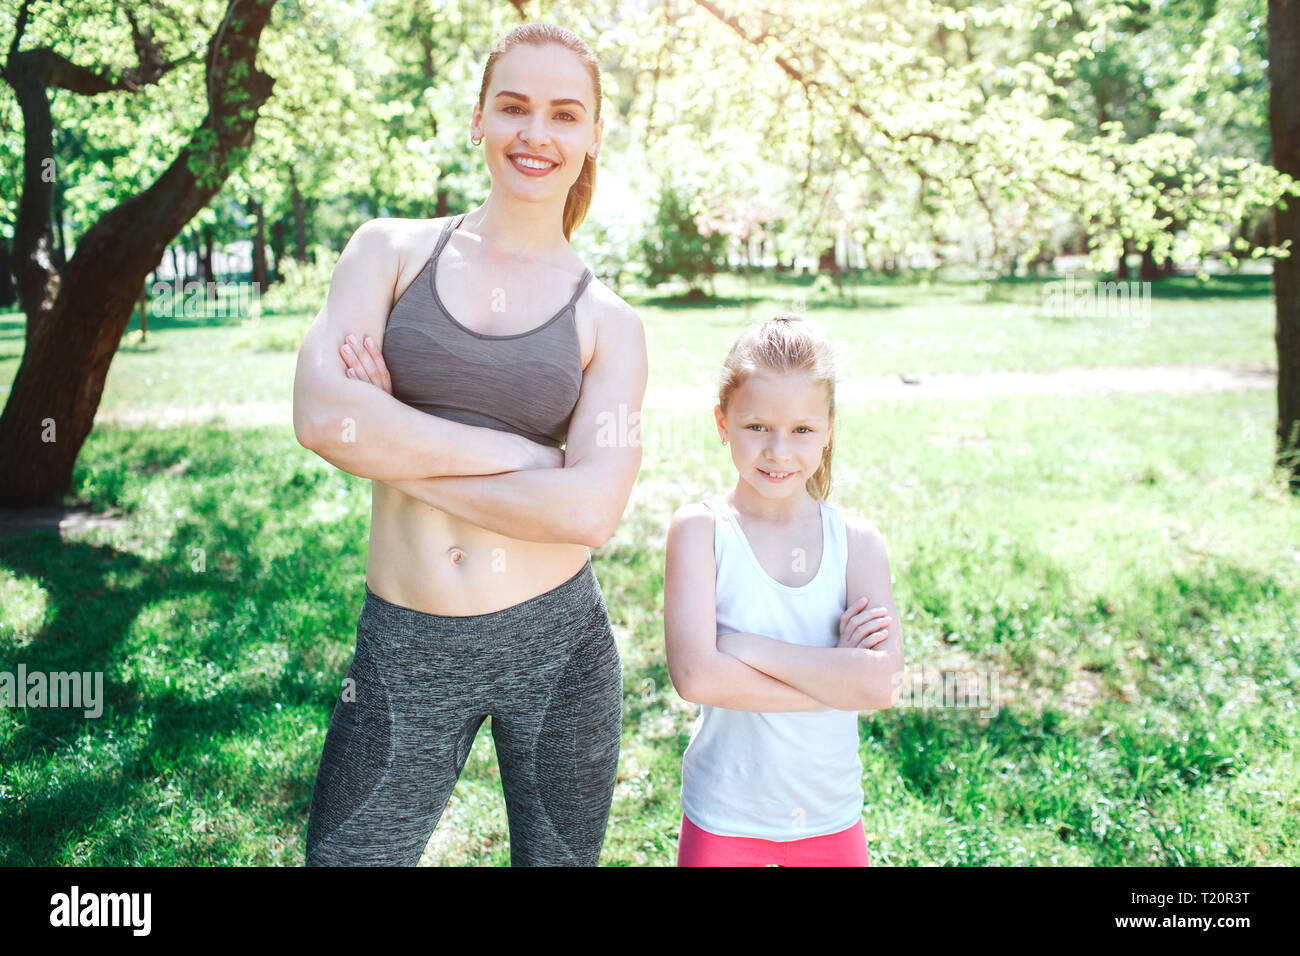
[(726, 681), (847, 678)]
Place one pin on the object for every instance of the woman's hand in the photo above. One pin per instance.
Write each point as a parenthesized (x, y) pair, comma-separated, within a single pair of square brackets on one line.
[(863, 628), (365, 362), (541, 456)]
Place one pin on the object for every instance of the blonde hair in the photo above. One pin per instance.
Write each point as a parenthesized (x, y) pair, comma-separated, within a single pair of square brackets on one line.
[(540, 34), (785, 343)]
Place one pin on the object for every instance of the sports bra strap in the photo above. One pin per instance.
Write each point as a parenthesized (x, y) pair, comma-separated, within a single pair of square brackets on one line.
[(446, 233), (582, 285)]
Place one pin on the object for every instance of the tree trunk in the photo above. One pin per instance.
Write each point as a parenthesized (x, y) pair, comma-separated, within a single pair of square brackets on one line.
[(60, 242), (1284, 122), (75, 324), (34, 274), (1149, 269), (205, 238), (8, 294), (826, 261), (144, 311), (209, 272), (277, 245), (261, 274), (299, 220), (188, 239)]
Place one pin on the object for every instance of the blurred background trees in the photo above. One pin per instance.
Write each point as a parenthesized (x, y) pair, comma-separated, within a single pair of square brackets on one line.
[(851, 138)]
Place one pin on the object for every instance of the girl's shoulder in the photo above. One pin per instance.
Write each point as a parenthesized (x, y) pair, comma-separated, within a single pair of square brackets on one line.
[(698, 518), (713, 507), (867, 565), (691, 536), (702, 510), (859, 529)]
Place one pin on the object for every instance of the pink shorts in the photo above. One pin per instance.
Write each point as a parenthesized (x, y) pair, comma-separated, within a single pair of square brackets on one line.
[(696, 847)]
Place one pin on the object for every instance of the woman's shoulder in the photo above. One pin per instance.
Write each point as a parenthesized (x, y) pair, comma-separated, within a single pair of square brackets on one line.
[(400, 233), (619, 339), (390, 240), (609, 303)]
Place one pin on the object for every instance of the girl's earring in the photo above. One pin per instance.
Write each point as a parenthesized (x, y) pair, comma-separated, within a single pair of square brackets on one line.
[(475, 142)]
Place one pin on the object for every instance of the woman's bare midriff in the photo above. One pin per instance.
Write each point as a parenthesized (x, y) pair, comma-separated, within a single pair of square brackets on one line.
[(423, 558)]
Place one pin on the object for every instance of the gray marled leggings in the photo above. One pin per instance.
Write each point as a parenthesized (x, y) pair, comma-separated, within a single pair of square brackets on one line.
[(548, 673)]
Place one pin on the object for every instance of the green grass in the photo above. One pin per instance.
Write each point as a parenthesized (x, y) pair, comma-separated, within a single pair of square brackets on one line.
[(1127, 566), (893, 328), (883, 329)]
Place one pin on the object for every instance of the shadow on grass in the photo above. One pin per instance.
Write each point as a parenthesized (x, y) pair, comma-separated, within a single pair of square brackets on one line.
[(1215, 287), (96, 594), (1108, 786), (701, 301)]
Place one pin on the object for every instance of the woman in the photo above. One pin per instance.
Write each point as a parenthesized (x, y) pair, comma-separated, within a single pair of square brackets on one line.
[(456, 381)]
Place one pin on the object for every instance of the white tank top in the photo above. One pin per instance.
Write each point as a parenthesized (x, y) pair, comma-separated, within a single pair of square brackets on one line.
[(777, 776)]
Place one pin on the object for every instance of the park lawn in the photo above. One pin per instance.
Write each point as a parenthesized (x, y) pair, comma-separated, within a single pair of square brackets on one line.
[(888, 328), (970, 327), (1126, 565)]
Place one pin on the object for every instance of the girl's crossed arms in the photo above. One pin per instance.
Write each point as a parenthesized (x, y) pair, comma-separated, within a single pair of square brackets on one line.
[(746, 671)]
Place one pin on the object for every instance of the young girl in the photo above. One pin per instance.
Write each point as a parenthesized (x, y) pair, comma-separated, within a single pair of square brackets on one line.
[(758, 629)]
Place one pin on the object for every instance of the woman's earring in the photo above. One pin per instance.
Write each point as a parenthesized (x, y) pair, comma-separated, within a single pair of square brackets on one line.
[(475, 142)]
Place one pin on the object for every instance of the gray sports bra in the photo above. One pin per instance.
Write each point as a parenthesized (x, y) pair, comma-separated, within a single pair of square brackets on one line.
[(527, 383)]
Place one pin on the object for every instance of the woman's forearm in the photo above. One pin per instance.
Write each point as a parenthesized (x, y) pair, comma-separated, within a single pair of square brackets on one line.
[(549, 505), (370, 434), (847, 678)]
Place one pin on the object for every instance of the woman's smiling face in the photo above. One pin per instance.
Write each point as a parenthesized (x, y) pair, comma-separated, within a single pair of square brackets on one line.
[(778, 423), (538, 121)]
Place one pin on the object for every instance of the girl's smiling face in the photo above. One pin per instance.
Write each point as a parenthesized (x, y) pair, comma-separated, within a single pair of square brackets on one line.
[(538, 110), (779, 422)]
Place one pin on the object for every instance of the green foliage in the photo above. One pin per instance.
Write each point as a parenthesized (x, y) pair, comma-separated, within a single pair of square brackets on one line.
[(605, 248), (674, 246), (985, 135), (301, 286)]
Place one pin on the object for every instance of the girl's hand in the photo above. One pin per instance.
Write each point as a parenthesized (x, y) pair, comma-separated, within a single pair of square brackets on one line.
[(861, 626), (365, 363)]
